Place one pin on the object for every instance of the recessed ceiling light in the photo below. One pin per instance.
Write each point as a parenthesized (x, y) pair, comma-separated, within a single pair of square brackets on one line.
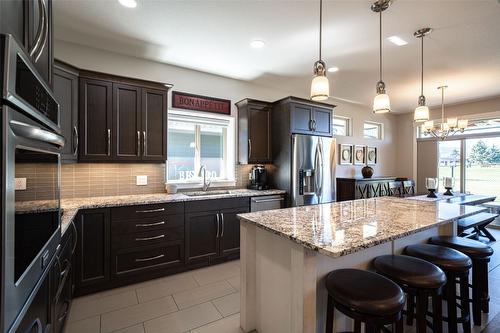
[(257, 44), (397, 40), (128, 3), (333, 69)]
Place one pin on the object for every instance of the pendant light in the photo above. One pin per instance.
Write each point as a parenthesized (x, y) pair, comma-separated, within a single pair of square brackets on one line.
[(320, 87), (381, 102), (421, 113)]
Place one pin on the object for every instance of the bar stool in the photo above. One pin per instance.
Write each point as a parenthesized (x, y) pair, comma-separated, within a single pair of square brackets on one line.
[(366, 297), (419, 279), (456, 266), (480, 254)]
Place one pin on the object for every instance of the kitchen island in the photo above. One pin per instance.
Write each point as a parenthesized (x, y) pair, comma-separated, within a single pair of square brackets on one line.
[(286, 253)]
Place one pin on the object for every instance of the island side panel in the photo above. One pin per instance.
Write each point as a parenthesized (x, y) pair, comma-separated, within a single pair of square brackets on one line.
[(248, 290)]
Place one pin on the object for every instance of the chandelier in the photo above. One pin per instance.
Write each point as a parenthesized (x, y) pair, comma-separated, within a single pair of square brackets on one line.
[(447, 128)]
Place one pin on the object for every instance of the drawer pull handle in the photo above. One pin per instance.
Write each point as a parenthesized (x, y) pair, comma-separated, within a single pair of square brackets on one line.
[(150, 238), (150, 224), (151, 210), (150, 258)]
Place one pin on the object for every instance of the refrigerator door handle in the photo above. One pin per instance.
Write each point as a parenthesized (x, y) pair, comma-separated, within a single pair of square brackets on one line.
[(319, 168)]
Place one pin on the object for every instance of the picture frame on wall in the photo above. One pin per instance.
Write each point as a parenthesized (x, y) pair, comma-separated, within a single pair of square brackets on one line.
[(345, 156), (359, 155), (371, 155)]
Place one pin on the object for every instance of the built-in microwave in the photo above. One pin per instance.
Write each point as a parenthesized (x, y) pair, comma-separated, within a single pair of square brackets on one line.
[(30, 209)]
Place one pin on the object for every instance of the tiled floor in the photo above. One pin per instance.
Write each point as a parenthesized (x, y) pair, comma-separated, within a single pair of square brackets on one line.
[(200, 301)]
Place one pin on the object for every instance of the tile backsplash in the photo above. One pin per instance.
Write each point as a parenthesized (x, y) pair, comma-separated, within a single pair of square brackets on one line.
[(83, 180)]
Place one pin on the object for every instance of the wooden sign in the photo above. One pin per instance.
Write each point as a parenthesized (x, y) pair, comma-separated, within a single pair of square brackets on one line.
[(187, 101)]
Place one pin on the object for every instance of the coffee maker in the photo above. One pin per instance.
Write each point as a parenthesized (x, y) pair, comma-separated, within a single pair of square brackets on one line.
[(258, 178)]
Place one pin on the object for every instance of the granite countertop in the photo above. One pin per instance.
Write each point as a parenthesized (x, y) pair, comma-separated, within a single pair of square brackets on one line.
[(340, 228), (70, 207)]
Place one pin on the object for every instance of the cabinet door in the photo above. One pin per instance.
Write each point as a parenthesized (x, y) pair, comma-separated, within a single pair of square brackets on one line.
[(259, 134), (323, 121), (202, 230), (38, 316), (66, 93), (93, 248), (154, 125), (39, 36), (12, 19), (95, 116), (301, 118), (230, 234), (126, 122)]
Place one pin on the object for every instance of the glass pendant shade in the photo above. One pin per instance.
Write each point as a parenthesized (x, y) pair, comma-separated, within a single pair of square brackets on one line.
[(463, 123), (381, 104), (421, 113), (320, 88), (452, 122), (429, 125)]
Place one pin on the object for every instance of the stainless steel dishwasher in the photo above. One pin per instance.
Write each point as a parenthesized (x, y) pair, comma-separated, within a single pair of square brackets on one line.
[(269, 202)]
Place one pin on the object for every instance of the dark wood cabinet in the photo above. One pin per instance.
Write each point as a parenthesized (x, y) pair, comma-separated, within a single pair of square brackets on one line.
[(308, 119), (121, 120), (154, 125), (38, 317), (95, 120), (294, 115), (202, 236), (66, 92), (254, 131), (230, 235), (30, 22), (362, 188), (126, 122), (92, 256)]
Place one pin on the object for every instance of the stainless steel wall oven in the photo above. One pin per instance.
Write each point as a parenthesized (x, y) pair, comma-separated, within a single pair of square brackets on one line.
[(30, 142)]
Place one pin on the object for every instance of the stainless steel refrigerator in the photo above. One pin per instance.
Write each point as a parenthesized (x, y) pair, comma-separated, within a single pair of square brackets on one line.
[(307, 170)]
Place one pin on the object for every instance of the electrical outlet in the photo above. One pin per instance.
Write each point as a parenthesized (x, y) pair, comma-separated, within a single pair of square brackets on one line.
[(20, 184), (141, 180)]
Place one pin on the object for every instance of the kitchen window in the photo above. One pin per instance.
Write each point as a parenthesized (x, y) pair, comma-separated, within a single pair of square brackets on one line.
[(341, 126), (196, 139), (372, 130)]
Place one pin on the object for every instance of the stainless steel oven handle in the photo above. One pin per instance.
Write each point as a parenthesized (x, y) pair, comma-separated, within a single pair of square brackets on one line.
[(75, 141), (267, 200), (39, 30), (45, 30), (150, 258), (149, 238), (36, 133)]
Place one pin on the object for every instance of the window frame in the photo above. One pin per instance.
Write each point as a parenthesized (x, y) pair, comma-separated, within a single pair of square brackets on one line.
[(229, 147), (348, 121), (380, 127)]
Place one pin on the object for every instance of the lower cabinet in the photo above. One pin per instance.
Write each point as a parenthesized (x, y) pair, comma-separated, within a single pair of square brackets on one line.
[(38, 317)]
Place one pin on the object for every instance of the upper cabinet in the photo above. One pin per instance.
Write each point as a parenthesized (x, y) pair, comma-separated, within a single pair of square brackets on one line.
[(66, 92), (254, 131), (122, 120), (30, 22)]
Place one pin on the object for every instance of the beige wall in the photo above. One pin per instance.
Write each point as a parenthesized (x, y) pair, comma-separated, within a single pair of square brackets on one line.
[(406, 152), (235, 90)]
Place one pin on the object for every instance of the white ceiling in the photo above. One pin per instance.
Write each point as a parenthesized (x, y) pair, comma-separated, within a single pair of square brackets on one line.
[(213, 36)]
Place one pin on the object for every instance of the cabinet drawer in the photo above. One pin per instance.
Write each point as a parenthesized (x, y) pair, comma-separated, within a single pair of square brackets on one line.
[(150, 224), (208, 205), (136, 260), (147, 211), (152, 237)]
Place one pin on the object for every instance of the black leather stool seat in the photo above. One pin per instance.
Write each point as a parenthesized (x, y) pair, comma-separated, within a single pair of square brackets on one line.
[(472, 248), (365, 292), (410, 271), (446, 258)]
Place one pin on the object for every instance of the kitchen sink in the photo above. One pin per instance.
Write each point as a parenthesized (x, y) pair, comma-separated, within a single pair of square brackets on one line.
[(206, 193)]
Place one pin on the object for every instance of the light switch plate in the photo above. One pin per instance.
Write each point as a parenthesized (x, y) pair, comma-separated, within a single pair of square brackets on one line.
[(20, 184), (141, 180)]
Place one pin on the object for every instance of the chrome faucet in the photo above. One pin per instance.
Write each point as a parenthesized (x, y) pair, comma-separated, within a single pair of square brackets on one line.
[(203, 172)]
